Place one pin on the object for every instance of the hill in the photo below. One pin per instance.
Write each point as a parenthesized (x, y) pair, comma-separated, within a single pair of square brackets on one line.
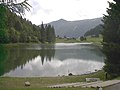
[(16, 29), (95, 31), (74, 28)]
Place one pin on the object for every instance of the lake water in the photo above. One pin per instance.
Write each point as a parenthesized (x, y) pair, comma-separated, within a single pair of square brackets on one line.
[(38, 60)]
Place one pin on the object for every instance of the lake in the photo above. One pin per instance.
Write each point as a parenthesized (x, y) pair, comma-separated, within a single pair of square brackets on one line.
[(39, 60)]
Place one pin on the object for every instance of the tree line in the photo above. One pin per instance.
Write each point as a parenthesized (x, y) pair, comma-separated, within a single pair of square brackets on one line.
[(15, 29), (95, 31)]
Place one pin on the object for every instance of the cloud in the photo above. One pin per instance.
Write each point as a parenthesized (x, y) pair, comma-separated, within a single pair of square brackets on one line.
[(51, 10), (36, 7)]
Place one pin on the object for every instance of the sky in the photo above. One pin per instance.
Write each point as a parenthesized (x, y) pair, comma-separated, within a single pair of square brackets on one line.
[(51, 10)]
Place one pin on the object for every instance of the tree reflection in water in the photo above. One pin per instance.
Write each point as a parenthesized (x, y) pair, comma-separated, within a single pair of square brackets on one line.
[(13, 57)]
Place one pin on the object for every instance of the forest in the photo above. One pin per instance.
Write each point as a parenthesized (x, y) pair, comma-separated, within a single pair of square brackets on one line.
[(16, 29), (95, 31)]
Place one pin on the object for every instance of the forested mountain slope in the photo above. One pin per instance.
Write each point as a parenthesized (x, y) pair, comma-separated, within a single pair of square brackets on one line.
[(15, 29), (95, 31)]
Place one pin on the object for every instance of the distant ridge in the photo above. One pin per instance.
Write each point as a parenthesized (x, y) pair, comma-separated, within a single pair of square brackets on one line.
[(74, 28)]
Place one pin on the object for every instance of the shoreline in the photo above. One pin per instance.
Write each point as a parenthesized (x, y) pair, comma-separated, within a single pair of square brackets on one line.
[(39, 82), (84, 73), (17, 83)]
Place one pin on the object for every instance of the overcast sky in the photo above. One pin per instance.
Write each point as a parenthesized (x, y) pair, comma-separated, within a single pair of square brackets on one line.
[(51, 10)]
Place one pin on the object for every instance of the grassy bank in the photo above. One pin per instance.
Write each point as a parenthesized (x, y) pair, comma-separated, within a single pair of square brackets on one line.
[(40, 83), (28, 88), (95, 40), (65, 40)]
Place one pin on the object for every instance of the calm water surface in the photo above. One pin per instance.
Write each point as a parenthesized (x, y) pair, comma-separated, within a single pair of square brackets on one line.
[(50, 60)]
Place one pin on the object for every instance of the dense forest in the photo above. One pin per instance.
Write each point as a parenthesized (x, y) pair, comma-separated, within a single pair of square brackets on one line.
[(95, 31), (15, 29)]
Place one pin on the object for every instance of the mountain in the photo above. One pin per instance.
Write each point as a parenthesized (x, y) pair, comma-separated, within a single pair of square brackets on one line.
[(74, 28)]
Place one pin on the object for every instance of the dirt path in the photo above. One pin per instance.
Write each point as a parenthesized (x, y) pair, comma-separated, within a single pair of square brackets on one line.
[(113, 87), (91, 84)]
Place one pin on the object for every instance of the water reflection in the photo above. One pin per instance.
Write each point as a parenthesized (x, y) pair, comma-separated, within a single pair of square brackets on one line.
[(79, 51), (50, 60), (14, 57), (3, 56), (55, 68)]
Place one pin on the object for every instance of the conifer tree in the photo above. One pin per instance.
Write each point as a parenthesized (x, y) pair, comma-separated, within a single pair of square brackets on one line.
[(50, 33), (43, 33), (111, 39), (16, 6), (3, 21), (53, 35), (10, 5)]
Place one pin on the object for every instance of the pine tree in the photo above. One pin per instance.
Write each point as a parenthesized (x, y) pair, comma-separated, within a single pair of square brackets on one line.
[(15, 6), (43, 33), (3, 28), (50, 34), (9, 5), (111, 39), (53, 35)]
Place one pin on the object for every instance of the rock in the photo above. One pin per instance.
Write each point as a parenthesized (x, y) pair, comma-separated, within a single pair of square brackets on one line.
[(70, 74), (27, 83), (100, 88), (92, 79)]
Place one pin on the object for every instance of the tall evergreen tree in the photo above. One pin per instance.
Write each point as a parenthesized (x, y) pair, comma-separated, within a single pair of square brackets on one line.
[(111, 39), (43, 33), (53, 34), (50, 34), (3, 27)]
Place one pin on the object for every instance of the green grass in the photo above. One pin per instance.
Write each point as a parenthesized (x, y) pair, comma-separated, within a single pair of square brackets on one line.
[(41, 83), (28, 88), (95, 40), (64, 40)]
